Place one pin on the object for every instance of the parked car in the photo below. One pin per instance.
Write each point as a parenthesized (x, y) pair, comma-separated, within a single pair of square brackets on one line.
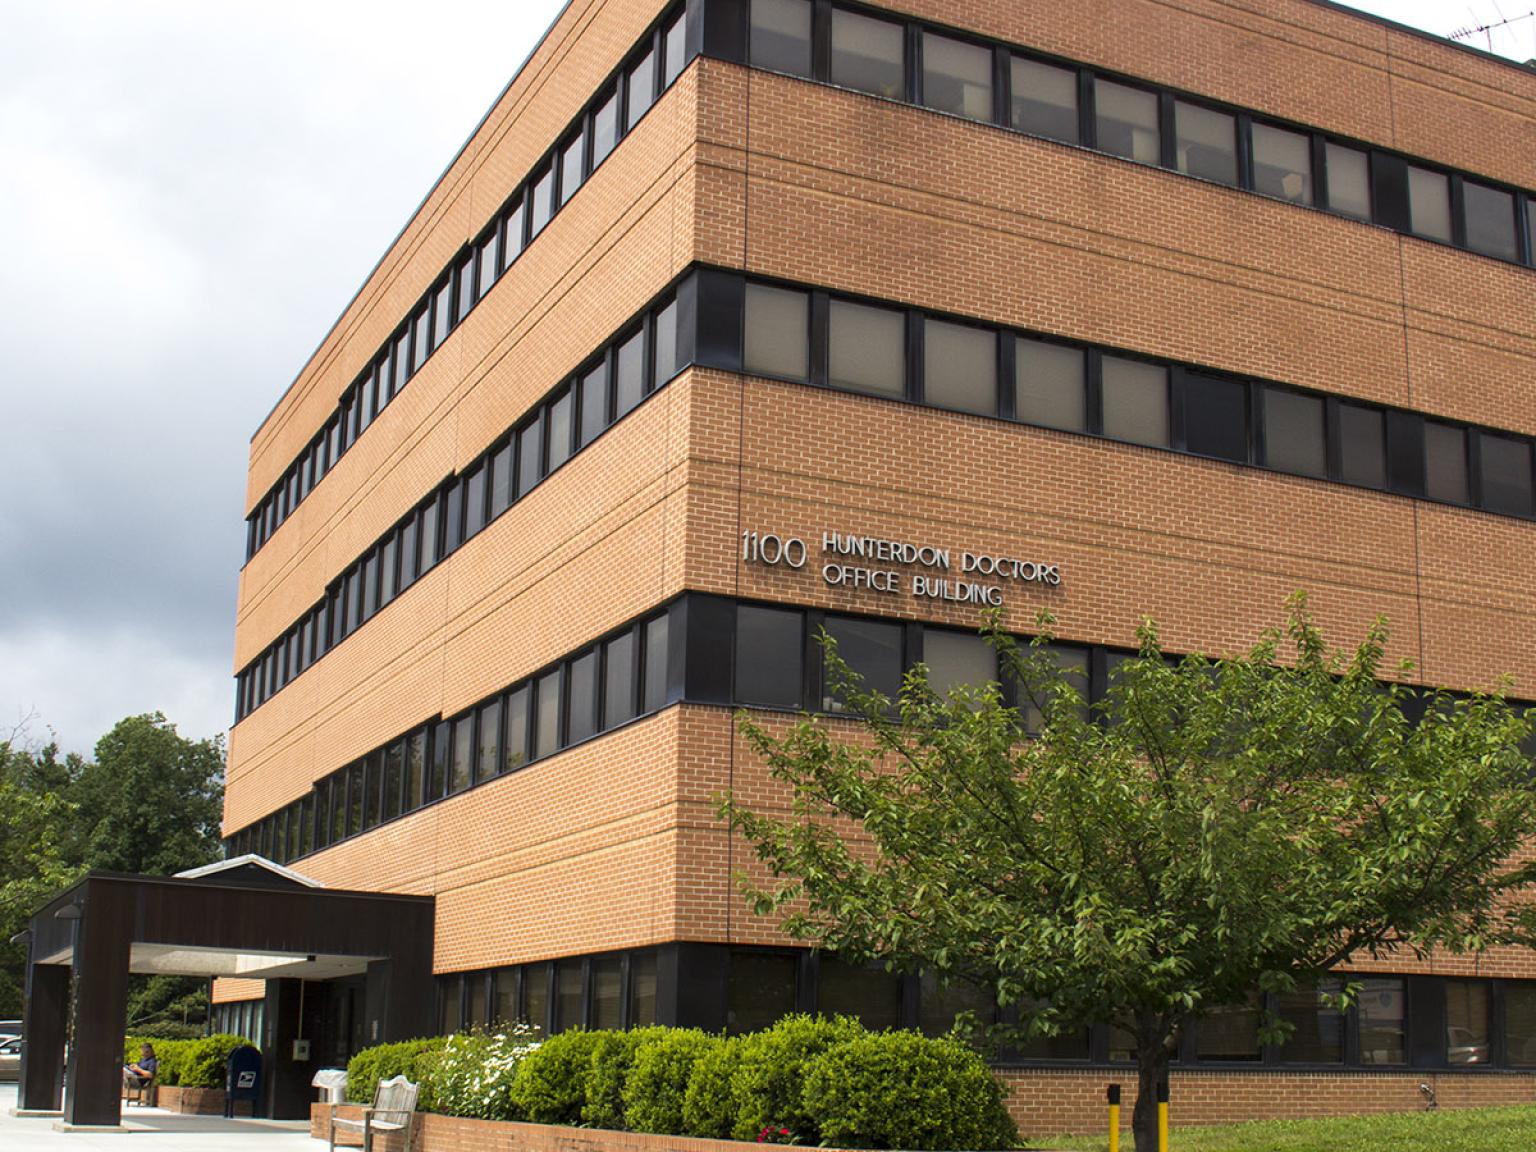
[(10, 1058)]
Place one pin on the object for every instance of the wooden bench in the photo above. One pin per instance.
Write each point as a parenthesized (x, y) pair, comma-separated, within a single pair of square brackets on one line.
[(140, 1090), (394, 1103)]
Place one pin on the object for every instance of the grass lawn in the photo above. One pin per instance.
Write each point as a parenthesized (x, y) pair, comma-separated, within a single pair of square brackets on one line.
[(1473, 1129)]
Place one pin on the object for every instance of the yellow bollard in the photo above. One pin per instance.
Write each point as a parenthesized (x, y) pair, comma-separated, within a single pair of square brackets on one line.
[(1162, 1117), (1114, 1117)]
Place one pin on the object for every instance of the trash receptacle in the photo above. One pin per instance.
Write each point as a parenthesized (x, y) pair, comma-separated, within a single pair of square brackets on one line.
[(332, 1083)]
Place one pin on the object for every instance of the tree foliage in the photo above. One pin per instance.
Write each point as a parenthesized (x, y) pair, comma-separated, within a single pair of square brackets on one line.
[(1213, 827)]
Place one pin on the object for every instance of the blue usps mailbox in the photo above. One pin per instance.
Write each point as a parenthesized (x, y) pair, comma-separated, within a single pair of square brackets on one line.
[(243, 1079)]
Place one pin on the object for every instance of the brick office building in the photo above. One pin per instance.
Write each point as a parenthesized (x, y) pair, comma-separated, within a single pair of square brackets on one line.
[(734, 322)]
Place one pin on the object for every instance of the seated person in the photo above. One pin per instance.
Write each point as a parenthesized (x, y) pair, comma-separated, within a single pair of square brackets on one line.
[(142, 1070)]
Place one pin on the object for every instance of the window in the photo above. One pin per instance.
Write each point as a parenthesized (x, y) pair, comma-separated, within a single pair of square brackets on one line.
[(453, 518), (462, 764), (1317, 1035), (1293, 433), (654, 684), (1282, 164), (355, 802), (568, 994), (607, 992), (501, 479), (1362, 450), (415, 769), (387, 574), (1429, 203), (940, 1004), (642, 989), (639, 89), (474, 501), (490, 261), (1216, 417), (1520, 1023), (560, 430), (673, 50), (760, 989), (1490, 221), (475, 1016), (546, 735), (1206, 142), (373, 789), (536, 994), (1135, 401), (409, 552), (464, 298), (507, 1009), (779, 37), (1073, 663), (1044, 99), (1466, 1022), (542, 199), (1229, 1032), (770, 653), (394, 776), (594, 403), (530, 455), (630, 373), (572, 165), (868, 54), (1048, 385), (960, 367), (583, 696), (1506, 474), (868, 349), (1349, 180), (514, 753), (957, 659), (428, 536), (442, 312), (1445, 463), (421, 339), (488, 750), (957, 77), (437, 766), (872, 651), (618, 680), (512, 234), (605, 129), (1127, 121), (1383, 1032), (664, 363), (777, 336), (871, 994)]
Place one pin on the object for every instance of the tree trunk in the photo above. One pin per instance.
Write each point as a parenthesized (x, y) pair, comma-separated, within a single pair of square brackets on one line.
[(1154, 1049)]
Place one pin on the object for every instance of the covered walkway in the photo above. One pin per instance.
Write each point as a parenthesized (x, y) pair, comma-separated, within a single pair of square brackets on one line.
[(153, 1130)]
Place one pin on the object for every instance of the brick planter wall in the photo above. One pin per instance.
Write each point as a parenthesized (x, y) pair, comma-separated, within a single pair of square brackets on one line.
[(191, 1101), (320, 1128)]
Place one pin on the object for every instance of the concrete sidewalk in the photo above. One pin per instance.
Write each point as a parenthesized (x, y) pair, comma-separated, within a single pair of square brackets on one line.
[(153, 1130)]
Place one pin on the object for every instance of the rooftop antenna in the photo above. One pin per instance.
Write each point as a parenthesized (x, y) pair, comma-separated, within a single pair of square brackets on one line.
[(1487, 30)]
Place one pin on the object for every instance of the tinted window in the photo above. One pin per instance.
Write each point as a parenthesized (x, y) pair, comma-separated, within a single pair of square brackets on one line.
[(1282, 163), (1490, 221), (618, 680), (1520, 1023), (408, 553), (474, 502), (1206, 142), (488, 751), (530, 449), (1318, 1026), (868, 54), (1032, 701), (1293, 433), (1429, 203), (957, 77), (1382, 1028), (464, 298), (501, 479), (868, 349), (536, 994), (639, 89), (1506, 469), (1044, 100), (1048, 385), (1127, 121), (572, 165), (607, 992), (594, 403), (770, 652), (402, 363), (760, 989), (1229, 1032), (959, 367), (490, 261), (1362, 456), (654, 682), (1445, 460), (780, 36), (664, 345), (1135, 401), (560, 429), (428, 536), (630, 383), (463, 753), (543, 202), (387, 570), (437, 768), (583, 698), (672, 48), (568, 988), (642, 989), (546, 735), (957, 659), (871, 994), (512, 234), (777, 337), (515, 747), (442, 312), (1216, 417), (1349, 181), (605, 129), (1466, 1022), (872, 651), (415, 768), (421, 343)]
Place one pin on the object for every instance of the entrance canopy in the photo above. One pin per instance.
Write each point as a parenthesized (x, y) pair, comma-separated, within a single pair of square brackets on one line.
[(247, 918)]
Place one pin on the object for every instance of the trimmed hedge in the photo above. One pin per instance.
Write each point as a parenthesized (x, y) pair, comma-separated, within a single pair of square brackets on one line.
[(658, 1078), (767, 1089), (551, 1085), (408, 1058), (187, 1063)]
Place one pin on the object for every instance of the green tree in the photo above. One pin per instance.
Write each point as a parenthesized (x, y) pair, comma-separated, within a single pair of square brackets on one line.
[(1212, 828)]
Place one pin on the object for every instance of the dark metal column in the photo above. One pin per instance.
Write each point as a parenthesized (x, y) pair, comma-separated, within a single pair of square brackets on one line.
[(45, 1025), (93, 1082)]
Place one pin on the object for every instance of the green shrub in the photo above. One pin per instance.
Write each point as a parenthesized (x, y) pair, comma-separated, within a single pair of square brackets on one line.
[(767, 1088), (710, 1103), (207, 1060), (613, 1055), (658, 1078), (474, 1073), (904, 1090), (551, 1085), (408, 1058), (171, 1054)]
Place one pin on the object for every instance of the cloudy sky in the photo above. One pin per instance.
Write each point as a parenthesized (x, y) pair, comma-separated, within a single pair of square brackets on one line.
[(189, 194)]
